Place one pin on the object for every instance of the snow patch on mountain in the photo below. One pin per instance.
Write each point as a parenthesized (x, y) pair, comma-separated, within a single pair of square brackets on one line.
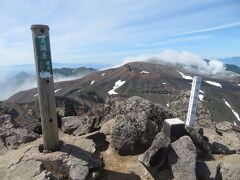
[(118, 84), (200, 97), (145, 72), (184, 76), (214, 83), (57, 90), (92, 82), (234, 112)]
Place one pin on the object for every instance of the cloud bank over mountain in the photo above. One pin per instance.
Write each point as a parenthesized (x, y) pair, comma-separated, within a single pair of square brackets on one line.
[(188, 60)]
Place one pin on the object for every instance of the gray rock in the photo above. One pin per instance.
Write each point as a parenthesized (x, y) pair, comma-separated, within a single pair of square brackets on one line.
[(77, 125), (224, 126), (6, 124), (157, 153), (218, 148), (19, 136), (3, 148), (79, 172), (230, 167), (138, 122), (24, 170), (182, 159), (107, 127)]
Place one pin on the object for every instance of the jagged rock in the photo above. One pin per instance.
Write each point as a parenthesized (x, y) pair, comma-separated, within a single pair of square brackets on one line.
[(138, 123), (77, 125), (230, 167), (157, 153), (19, 136), (199, 141), (182, 159), (79, 172), (208, 170), (107, 127), (6, 124)]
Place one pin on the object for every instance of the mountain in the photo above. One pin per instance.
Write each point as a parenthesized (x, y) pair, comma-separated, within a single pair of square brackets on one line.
[(230, 67), (103, 121), (24, 80), (231, 60), (233, 68), (71, 72), (162, 84)]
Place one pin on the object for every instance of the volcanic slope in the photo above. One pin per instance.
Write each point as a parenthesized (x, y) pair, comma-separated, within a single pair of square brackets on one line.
[(162, 84)]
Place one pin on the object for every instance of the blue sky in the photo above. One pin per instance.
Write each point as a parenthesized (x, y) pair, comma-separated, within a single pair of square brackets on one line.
[(108, 31)]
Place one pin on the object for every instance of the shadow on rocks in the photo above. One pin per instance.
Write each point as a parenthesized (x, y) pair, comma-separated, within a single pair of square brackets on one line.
[(109, 175)]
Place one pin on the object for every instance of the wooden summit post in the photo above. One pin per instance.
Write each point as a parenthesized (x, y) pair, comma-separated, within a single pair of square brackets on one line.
[(47, 102)]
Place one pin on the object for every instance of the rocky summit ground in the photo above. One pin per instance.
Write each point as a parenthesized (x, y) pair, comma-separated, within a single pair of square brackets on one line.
[(125, 140)]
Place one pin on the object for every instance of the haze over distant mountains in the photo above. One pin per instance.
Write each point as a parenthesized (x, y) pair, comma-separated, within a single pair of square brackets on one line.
[(26, 80)]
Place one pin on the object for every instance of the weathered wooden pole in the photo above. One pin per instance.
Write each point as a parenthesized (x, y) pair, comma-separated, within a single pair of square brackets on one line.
[(47, 102), (192, 107)]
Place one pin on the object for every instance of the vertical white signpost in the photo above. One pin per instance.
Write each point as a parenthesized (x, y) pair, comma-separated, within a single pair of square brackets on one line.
[(192, 107)]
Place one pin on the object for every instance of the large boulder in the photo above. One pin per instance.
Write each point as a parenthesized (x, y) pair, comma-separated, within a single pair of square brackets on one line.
[(19, 136), (157, 153), (182, 159), (137, 123)]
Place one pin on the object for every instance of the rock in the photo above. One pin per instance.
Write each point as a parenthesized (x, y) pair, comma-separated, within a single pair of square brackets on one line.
[(218, 148), (182, 159), (230, 167), (19, 136), (79, 172), (230, 140), (208, 170), (3, 149), (107, 127), (24, 170), (78, 125), (203, 146), (224, 126), (157, 153), (137, 123), (83, 154), (6, 124)]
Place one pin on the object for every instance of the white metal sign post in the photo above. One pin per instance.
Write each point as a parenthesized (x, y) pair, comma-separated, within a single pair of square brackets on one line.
[(192, 107)]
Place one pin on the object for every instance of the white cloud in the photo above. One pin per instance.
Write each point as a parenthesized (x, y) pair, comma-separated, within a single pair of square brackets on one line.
[(192, 62), (214, 28)]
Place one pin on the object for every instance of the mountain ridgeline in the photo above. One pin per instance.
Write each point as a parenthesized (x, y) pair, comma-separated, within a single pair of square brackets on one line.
[(167, 85)]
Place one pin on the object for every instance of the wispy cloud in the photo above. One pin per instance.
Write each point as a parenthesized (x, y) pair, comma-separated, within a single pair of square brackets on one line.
[(214, 28)]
